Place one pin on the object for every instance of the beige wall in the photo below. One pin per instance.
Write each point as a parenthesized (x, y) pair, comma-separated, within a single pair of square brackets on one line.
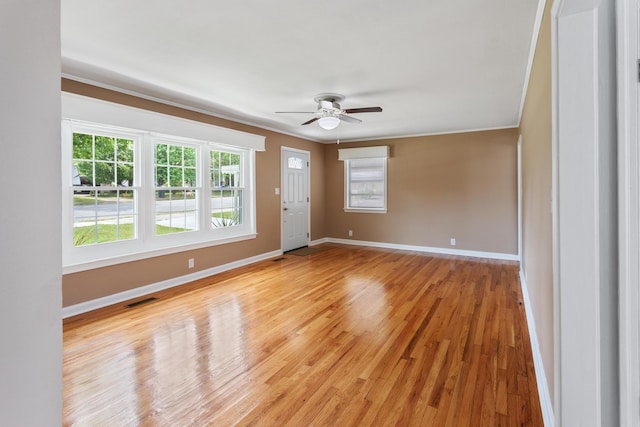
[(457, 185), (87, 285), (535, 128)]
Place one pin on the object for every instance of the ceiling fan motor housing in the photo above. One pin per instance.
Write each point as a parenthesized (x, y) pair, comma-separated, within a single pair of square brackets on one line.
[(329, 109), (328, 105)]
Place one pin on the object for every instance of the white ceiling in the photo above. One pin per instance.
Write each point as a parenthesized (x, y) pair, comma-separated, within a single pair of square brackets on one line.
[(434, 66)]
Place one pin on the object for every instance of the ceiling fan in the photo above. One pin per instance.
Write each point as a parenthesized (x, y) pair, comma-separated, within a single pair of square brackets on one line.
[(329, 113)]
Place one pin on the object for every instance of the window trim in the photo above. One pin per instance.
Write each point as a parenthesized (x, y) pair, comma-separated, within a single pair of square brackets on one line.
[(147, 245), (92, 110)]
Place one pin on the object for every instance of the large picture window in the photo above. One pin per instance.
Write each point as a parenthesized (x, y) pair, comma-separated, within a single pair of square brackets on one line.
[(135, 192)]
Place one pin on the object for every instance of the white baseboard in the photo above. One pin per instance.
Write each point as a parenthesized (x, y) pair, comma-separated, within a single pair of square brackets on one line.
[(446, 251), (541, 378), (87, 306), (319, 241)]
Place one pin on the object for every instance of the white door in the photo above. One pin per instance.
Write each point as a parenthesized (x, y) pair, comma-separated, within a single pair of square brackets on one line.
[(295, 199)]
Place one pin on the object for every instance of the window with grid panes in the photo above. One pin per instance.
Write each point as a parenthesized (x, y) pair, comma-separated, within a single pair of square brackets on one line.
[(131, 192), (176, 189), (104, 188), (227, 187)]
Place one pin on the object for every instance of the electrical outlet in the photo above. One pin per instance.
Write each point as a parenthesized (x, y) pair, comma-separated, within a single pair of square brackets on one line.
[(277, 191), (350, 233), (191, 263), (453, 241)]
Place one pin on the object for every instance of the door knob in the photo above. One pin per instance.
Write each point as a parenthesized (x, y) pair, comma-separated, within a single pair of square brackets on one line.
[(286, 209)]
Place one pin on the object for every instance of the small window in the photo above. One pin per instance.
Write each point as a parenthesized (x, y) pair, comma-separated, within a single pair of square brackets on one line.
[(366, 184), (365, 178), (295, 163)]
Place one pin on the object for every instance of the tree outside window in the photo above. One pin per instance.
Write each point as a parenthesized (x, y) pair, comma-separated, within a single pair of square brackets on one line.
[(104, 193)]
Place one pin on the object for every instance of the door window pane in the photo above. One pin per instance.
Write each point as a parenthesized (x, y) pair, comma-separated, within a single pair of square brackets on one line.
[(295, 163)]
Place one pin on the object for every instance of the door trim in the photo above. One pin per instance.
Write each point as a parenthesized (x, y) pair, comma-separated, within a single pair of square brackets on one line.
[(629, 209), (576, 244), (282, 166)]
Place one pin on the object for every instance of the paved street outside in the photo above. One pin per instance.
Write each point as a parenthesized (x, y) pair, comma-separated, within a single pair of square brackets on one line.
[(173, 213)]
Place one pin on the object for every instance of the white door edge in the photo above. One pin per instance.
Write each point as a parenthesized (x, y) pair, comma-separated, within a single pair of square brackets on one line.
[(628, 48)]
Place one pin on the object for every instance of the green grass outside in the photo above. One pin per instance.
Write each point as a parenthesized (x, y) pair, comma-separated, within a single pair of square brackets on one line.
[(91, 200), (108, 233), (226, 214), (85, 200)]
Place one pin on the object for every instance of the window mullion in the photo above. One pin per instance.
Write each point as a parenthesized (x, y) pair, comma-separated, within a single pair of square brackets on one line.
[(204, 177), (67, 186), (147, 189), (93, 160)]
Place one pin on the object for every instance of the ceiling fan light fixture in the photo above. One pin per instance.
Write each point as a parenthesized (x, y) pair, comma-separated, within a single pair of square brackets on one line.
[(328, 122)]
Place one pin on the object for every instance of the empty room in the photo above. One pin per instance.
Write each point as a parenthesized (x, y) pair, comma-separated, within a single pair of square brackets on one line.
[(320, 214)]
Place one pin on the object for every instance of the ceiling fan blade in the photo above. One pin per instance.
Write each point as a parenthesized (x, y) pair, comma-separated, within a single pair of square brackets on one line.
[(295, 112), (363, 110), (349, 119), (310, 121)]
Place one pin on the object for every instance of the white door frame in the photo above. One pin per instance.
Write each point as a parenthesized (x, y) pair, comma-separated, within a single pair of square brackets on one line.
[(282, 166), (576, 238), (629, 209), (577, 217)]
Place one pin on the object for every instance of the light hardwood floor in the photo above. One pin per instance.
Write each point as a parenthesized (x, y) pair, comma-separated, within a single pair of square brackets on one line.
[(348, 336)]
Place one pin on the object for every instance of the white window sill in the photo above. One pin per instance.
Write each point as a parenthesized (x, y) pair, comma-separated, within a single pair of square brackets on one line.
[(74, 267), (378, 211)]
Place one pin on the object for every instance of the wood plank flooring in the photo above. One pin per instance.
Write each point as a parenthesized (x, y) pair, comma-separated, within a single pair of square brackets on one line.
[(348, 336)]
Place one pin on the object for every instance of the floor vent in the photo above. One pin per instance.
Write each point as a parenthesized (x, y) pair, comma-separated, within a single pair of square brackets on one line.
[(279, 259), (142, 301)]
